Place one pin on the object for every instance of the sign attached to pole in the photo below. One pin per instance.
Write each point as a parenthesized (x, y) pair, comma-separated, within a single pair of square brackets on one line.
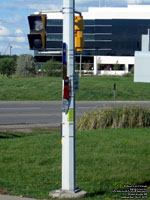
[(64, 58), (65, 106), (64, 55), (76, 82), (71, 115)]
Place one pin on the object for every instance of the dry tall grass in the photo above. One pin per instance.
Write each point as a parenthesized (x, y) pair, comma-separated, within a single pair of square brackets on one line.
[(115, 117)]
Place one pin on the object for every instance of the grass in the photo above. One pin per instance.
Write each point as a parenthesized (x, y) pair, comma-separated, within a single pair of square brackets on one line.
[(90, 89), (115, 117), (25, 89), (101, 88), (30, 165)]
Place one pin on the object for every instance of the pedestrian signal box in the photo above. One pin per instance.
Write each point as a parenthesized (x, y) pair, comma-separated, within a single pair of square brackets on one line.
[(66, 88), (37, 36), (79, 28)]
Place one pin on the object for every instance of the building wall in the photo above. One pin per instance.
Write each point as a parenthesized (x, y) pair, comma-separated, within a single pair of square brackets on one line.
[(108, 31), (116, 37), (109, 60)]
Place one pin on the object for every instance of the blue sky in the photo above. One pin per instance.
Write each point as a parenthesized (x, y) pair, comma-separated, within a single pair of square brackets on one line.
[(14, 24)]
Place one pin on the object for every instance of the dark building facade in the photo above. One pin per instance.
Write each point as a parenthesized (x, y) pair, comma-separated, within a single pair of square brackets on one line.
[(103, 37)]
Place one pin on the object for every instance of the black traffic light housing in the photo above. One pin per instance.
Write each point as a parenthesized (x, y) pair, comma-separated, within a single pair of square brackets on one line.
[(37, 36)]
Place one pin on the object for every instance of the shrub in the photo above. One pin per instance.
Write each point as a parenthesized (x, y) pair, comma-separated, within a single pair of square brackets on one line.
[(52, 68), (116, 66), (128, 74), (7, 66), (86, 66), (132, 70), (26, 65), (115, 117)]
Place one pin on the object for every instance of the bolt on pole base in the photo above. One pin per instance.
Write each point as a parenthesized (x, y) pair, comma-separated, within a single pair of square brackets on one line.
[(62, 194)]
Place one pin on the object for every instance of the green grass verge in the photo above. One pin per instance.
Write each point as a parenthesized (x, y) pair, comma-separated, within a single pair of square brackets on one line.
[(105, 160), (90, 89), (30, 89)]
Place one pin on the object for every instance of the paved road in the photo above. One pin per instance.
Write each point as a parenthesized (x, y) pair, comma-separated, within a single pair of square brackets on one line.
[(20, 115)]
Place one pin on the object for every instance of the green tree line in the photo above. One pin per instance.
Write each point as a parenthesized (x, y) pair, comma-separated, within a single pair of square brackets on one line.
[(24, 66)]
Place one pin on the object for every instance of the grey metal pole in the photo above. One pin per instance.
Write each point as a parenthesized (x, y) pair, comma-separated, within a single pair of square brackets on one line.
[(68, 119), (80, 63)]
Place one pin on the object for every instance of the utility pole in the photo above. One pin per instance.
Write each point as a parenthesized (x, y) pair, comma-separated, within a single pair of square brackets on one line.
[(68, 189), (68, 118)]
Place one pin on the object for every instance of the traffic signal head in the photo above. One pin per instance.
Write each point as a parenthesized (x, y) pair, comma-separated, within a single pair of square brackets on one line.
[(37, 36), (37, 41), (79, 39), (79, 23)]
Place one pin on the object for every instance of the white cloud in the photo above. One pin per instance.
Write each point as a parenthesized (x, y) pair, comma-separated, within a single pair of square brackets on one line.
[(134, 1), (20, 39), (4, 31), (57, 4), (16, 47), (43, 7), (12, 39), (34, 4), (17, 39), (13, 20), (138, 1), (19, 31)]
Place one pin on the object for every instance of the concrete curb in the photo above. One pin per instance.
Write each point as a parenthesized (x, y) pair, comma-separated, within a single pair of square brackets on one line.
[(8, 197)]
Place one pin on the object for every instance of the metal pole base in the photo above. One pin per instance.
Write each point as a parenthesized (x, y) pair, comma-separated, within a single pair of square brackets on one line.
[(67, 194)]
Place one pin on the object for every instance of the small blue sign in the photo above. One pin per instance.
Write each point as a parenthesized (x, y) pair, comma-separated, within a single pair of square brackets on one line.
[(64, 55)]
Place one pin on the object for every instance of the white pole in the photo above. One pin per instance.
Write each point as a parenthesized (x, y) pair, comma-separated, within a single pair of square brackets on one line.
[(149, 39), (68, 189), (95, 65), (68, 119)]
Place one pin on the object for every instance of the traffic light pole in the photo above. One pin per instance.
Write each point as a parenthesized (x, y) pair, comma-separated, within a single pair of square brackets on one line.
[(68, 189), (68, 118)]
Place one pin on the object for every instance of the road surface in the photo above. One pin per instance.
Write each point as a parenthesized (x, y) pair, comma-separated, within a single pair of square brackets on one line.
[(21, 115)]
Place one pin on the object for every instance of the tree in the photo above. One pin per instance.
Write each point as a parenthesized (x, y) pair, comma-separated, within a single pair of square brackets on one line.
[(7, 66), (52, 68), (26, 65), (116, 66)]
